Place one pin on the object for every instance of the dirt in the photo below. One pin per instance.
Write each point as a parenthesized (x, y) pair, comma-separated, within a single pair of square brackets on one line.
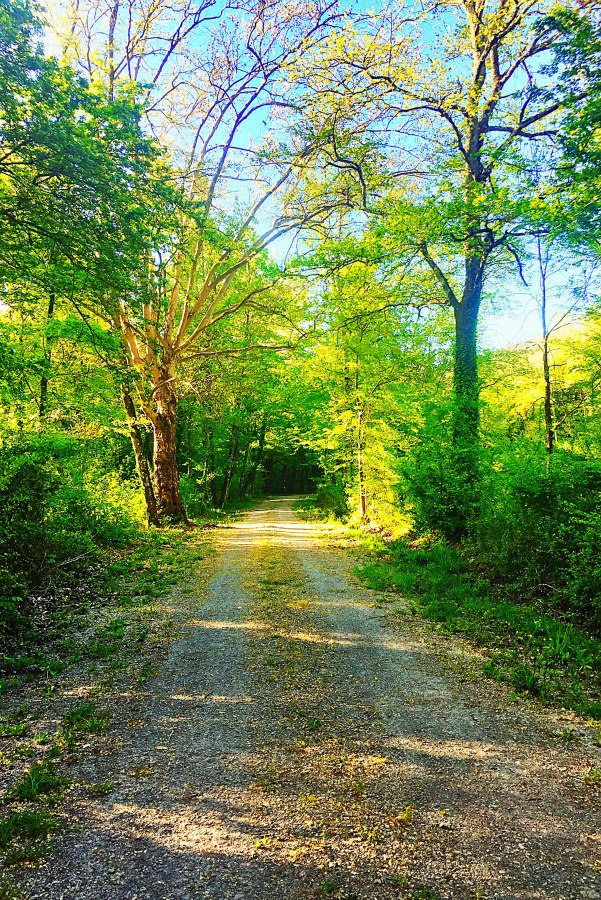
[(300, 742)]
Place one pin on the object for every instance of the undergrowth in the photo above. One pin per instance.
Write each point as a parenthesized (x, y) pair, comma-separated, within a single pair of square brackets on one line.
[(116, 612), (537, 653)]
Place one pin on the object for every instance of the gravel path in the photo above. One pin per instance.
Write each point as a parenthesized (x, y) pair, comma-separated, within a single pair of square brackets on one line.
[(296, 744)]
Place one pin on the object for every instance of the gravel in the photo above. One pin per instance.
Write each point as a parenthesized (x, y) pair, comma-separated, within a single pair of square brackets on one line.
[(301, 742)]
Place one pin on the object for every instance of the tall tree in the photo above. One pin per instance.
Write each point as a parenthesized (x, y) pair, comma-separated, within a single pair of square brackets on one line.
[(230, 77), (456, 120)]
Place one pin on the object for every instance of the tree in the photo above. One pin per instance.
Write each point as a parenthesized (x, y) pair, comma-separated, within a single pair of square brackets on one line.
[(216, 264), (457, 123)]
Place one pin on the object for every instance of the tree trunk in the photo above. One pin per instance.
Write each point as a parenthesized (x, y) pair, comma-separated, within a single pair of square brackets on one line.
[(252, 477), (152, 512), (210, 491), (43, 403), (360, 471), (466, 409), (244, 470), (543, 261), (466, 420), (164, 457), (229, 471)]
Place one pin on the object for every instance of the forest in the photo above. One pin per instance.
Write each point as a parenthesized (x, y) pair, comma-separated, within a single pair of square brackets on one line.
[(306, 249), (249, 249)]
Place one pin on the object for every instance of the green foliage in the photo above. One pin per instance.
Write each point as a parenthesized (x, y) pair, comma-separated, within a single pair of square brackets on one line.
[(538, 530), (40, 779), (52, 516), (26, 824), (86, 718), (539, 654)]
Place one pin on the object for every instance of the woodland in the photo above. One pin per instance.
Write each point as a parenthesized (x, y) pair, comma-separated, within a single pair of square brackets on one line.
[(248, 248)]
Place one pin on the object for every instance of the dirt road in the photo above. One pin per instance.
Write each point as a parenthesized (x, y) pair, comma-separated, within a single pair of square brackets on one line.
[(295, 744)]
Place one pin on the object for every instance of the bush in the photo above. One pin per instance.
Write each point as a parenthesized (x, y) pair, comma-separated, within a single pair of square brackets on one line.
[(330, 497), (539, 532), (51, 516)]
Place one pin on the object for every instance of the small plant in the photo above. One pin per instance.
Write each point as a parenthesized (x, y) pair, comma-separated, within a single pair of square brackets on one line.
[(314, 724), (327, 888), (593, 777), (40, 779), (86, 718), (147, 671), (404, 818), (28, 824), (18, 730), (19, 854), (101, 789), (357, 788), (569, 735), (9, 891)]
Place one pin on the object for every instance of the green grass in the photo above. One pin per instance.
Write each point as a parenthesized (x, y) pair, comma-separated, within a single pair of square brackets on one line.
[(86, 717), (41, 778), (30, 824), (9, 891), (538, 654), (8, 731)]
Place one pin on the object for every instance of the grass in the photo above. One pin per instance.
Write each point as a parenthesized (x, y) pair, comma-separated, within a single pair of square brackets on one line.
[(538, 654), (9, 891), (101, 788), (41, 778), (26, 824), (86, 718), (8, 731)]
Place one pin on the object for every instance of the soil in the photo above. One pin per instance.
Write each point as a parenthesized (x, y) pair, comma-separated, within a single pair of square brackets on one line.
[(300, 741)]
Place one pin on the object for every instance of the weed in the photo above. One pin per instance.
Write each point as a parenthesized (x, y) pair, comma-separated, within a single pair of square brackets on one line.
[(357, 788), (314, 724), (404, 818), (101, 789), (40, 779), (147, 671), (26, 825), (86, 718), (19, 854), (13, 730), (327, 888), (569, 735), (593, 777), (9, 891)]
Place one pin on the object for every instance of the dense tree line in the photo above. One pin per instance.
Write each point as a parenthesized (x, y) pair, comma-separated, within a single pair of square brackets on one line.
[(247, 248)]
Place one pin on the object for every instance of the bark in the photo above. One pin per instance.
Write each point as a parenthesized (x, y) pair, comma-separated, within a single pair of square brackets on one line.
[(360, 471), (244, 472), (43, 403), (229, 470), (164, 457), (466, 421), (252, 476), (549, 426), (152, 512), (548, 398), (209, 481)]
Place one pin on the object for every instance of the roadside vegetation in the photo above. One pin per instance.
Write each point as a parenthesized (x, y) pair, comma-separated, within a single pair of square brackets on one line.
[(251, 249)]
